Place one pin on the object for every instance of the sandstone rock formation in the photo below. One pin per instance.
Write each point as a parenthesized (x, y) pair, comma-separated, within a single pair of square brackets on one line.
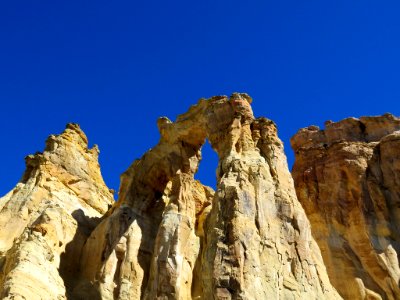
[(45, 219), (347, 178), (167, 236)]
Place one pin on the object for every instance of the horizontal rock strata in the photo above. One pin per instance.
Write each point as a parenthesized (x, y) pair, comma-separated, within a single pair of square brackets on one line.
[(347, 178)]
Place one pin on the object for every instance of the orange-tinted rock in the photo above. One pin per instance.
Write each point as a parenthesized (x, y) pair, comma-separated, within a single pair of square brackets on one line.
[(346, 178)]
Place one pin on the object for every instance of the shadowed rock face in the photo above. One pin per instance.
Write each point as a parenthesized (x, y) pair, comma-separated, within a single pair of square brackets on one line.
[(169, 237), (347, 178)]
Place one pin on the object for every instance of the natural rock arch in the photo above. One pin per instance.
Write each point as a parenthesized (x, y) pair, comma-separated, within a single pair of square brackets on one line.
[(169, 236)]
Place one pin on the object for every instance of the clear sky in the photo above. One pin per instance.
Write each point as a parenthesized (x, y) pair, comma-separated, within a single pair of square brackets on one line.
[(116, 66)]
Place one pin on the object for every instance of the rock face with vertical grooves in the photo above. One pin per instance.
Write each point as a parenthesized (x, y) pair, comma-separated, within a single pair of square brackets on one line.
[(168, 236), (347, 178), (46, 218)]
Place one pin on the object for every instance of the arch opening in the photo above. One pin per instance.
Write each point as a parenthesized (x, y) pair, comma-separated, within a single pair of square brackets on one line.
[(208, 165)]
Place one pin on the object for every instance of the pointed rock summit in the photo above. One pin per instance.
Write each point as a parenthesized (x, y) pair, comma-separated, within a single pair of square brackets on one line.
[(44, 220)]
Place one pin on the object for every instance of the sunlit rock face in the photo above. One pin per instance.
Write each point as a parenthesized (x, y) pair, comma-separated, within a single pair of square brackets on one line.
[(347, 178), (169, 237), (46, 218)]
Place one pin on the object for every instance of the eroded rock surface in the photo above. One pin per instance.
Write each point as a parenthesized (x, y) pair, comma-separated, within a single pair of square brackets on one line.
[(169, 237), (347, 178), (46, 218)]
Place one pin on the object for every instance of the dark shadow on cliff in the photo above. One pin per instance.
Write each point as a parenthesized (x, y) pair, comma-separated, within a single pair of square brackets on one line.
[(118, 222), (148, 221), (70, 260)]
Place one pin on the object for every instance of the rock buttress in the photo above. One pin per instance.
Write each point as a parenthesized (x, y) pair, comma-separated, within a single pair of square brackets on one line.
[(347, 179), (258, 243)]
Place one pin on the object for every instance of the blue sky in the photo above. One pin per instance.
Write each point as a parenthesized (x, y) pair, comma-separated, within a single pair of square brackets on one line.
[(116, 66)]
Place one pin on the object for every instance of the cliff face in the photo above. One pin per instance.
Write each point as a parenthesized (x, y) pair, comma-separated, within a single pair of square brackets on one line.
[(347, 178), (46, 218), (167, 236)]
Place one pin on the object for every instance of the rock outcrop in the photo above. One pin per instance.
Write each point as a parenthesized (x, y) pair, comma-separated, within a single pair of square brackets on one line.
[(168, 236), (347, 178), (46, 218)]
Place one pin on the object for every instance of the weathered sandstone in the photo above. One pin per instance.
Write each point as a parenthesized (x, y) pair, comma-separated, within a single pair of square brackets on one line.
[(169, 237), (45, 219), (347, 178)]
